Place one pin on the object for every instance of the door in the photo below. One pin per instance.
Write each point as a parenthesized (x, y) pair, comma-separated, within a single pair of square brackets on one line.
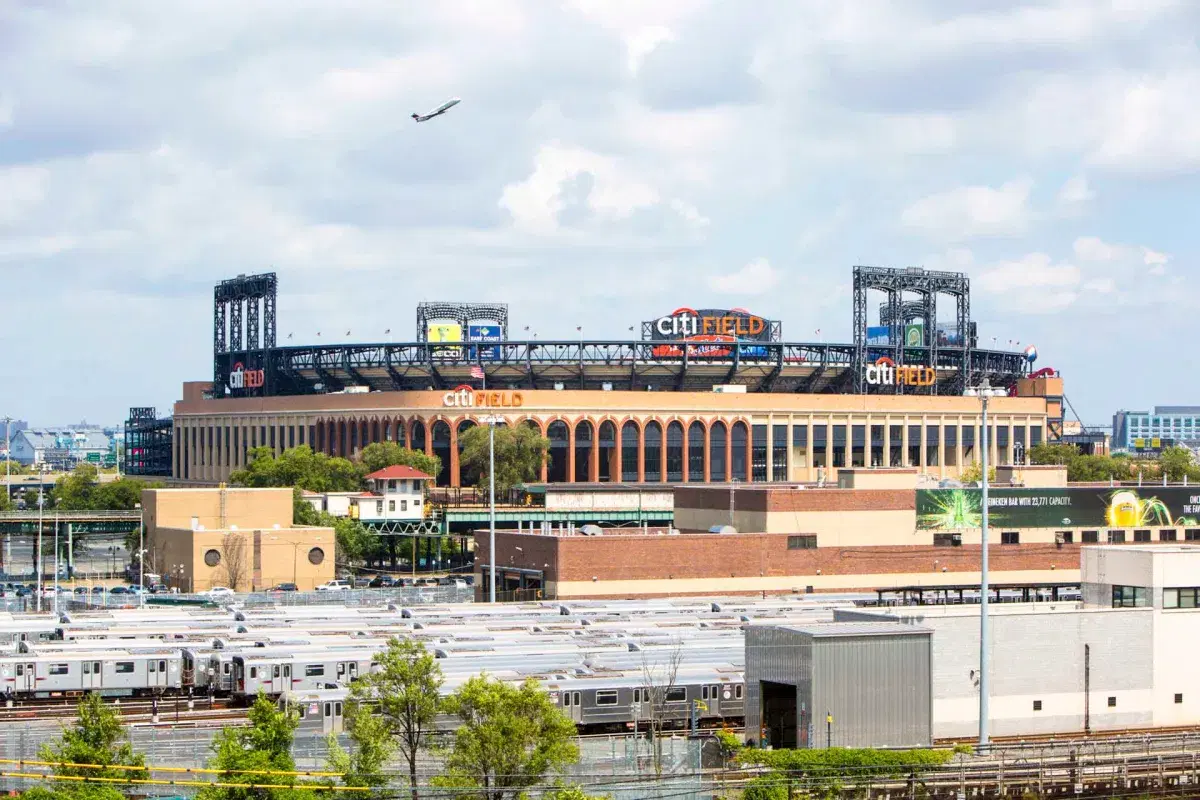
[(714, 701), (91, 675), (287, 677), (353, 670), (574, 706), (337, 717), (276, 680)]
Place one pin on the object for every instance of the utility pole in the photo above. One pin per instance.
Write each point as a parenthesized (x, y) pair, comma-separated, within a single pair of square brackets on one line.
[(7, 484), (37, 569)]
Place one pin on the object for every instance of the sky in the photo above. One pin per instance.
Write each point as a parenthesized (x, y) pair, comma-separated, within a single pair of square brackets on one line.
[(611, 160)]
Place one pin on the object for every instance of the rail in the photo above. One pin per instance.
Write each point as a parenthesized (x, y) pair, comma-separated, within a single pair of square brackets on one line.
[(69, 516)]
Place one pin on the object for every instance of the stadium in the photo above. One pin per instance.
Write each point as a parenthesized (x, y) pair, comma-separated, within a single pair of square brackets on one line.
[(702, 395)]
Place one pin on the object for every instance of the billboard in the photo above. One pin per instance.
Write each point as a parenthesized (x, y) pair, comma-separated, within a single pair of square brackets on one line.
[(914, 335), (713, 330), (1121, 507), (439, 332), (484, 333)]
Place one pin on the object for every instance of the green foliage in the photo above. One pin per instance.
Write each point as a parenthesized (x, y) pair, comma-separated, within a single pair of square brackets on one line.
[(29, 497), (354, 540), (766, 787), (974, 473), (366, 764), (395, 705), (827, 771), (571, 792), (96, 738), (508, 739), (381, 455), (520, 451), (1052, 453), (1094, 469), (729, 742), (6, 503), (266, 744), (1178, 463), (300, 467), (82, 491)]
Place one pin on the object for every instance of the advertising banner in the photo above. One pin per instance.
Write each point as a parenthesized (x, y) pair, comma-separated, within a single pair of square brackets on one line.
[(444, 332), (960, 509), (713, 330), (879, 334), (484, 333)]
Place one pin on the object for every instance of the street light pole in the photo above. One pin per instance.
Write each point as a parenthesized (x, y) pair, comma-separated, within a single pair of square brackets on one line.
[(492, 509), (37, 567), (984, 392), (141, 555)]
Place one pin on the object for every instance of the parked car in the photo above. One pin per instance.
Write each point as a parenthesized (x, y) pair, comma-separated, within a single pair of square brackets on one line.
[(159, 588), (97, 590), (334, 586), (284, 587), (383, 582), (119, 590), (219, 591), (81, 590)]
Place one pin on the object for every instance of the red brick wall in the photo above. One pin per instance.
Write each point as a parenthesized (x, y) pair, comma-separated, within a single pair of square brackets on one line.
[(792, 500)]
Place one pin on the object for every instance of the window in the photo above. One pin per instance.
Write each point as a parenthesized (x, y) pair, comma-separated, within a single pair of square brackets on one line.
[(1067, 537), (151, 668), (807, 542), (87, 668), (162, 666), (737, 691), (677, 694), (316, 556), (1037, 705), (606, 697), (378, 506), (1112, 702), (314, 670), (1141, 536), (703, 692), (275, 671), (1167, 536), (212, 557), (1116, 537), (391, 505), (225, 668), (20, 670), (1191, 535), (1091, 537), (391, 486), (1130, 597), (641, 695), (404, 505), (59, 669), (1181, 598), (1010, 537), (947, 539), (254, 672), (1178, 698), (123, 667)]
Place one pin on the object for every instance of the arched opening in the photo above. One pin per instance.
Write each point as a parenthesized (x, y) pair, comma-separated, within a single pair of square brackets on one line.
[(353, 444), (583, 451), (399, 435), (738, 437), (463, 427), (716, 452), (629, 452), (319, 443), (610, 466), (557, 433), (375, 435), (674, 453), (653, 458), (695, 447), (418, 435), (440, 436)]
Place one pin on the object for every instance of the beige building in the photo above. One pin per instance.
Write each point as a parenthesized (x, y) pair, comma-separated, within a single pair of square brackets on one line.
[(631, 436), (243, 539)]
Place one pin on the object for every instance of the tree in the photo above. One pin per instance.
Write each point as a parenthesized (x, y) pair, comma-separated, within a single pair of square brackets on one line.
[(74, 492), (659, 676), (234, 562), (300, 467), (29, 497), (520, 451), (403, 694), (571, 792), (509, 738), (1094, 469), (97, 738), (381, 455), (1177, 463), (251, 754), (366, 764), (974, 473), (1052, 453)]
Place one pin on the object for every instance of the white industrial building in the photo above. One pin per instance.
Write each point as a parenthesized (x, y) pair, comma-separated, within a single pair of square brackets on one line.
[(1122, 658), (397, 494)]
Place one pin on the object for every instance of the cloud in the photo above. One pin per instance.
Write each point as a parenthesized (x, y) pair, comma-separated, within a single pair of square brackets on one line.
[(642, 43), (754, 278), (1075, 192), (971, 211)]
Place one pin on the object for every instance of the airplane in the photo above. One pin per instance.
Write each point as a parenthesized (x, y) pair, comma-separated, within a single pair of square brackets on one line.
[(437, 112)]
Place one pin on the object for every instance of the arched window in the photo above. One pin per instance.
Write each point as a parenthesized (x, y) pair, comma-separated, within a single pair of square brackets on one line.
[(418, 435), (738, 436), (583, 451), (398, 432), (674, 452), (695, 448), (610, 466), (629, 452), (556, 432), (653, 457), (716, 452), (440, 435), (463, 426)]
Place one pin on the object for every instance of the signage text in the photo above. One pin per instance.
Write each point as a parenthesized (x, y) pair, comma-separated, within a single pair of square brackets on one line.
[(884, 372), (470, 397), (242, 378)]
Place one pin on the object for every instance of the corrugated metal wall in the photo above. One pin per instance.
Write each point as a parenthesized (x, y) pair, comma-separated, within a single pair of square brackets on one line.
[(877, 689), (778, 655)]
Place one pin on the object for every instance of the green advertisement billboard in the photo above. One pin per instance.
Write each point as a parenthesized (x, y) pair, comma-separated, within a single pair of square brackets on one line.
[(1121, 507)]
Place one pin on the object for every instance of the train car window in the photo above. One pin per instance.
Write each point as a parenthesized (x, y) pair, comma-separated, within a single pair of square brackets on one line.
[(20, 670), (606, 697), (123, 667), (566, 698), (225, 668), (162, 666), (341, 668), (337, 708), (151, 668), (96, 667), (677, 695), (737, 691), (275, 671), (59, 669), (87, 668), (314, 670), (703, 692), (254, 672)]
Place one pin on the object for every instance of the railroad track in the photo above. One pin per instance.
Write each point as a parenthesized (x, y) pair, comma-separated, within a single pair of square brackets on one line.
[(130, 710)]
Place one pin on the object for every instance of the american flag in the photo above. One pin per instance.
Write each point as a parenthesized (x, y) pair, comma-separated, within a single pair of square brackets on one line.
[(477, 372)]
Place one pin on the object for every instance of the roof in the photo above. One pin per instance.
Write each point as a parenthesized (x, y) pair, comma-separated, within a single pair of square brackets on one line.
[(41, 438), (399, 472), (842, 629)]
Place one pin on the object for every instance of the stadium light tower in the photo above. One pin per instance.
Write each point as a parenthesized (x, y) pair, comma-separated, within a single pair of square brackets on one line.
[(984, 391)]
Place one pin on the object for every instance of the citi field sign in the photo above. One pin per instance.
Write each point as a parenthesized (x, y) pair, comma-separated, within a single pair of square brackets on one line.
[(685, 323), (469, 397), (884, 372), (242, 378)]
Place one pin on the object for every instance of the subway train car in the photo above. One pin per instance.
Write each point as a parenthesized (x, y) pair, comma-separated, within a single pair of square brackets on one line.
[(112, 673)]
